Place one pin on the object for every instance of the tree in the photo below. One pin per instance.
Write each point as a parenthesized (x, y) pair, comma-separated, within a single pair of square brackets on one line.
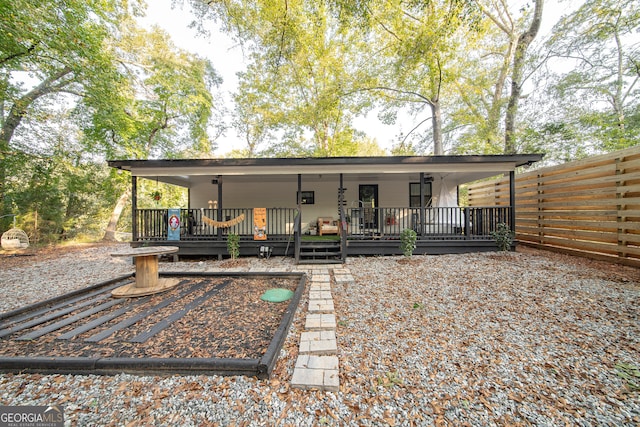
[(56, 187), (599, 40), (165, 107), (328, 54), (417, 44), (295, 86), (478, 115), (49, 48), (517, 73), (81, 74), (164, 104)]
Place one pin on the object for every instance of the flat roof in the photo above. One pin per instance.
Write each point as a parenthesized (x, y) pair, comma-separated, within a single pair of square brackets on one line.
[(187, 172), (344, 164)]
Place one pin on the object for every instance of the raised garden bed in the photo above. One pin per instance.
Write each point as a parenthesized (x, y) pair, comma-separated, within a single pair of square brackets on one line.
[(212, 323)]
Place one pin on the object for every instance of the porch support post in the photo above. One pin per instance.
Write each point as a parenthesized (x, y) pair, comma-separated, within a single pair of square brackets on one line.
[(297, 234), (134, 208), (422, 212), (341, 201), (343, 222), (512, 200), (219, 212)]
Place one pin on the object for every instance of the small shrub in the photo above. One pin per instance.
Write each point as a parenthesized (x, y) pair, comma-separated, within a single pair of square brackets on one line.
[(629, 373), (233, 245), (390, 379), (408, 239), (503, 236)]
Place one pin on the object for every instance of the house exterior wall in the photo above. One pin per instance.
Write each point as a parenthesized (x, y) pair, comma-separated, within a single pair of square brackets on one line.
[(246, 194), (393, 191)]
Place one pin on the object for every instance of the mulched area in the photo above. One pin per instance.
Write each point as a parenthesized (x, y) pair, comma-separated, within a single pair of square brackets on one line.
[(526, 338), (232, 323), (531, 338)]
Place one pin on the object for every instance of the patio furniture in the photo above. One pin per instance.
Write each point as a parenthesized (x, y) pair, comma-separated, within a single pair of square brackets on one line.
[(147, 281), (327, 226)]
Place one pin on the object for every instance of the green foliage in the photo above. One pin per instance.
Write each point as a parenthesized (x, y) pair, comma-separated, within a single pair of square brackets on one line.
[(503, 236), (390, 379), (78, 81), (294, 93), (163, 104), (630, 373), (233, 245), (599, 95), (408, 238)]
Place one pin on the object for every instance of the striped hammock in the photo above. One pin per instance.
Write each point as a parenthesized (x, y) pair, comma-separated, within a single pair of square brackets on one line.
[(223, 224)]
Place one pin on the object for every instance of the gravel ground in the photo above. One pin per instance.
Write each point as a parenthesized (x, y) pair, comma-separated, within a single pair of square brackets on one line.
[(526, 338)]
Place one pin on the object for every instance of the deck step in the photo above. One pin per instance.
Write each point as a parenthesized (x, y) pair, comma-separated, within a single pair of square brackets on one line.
[(320, 261), (320, 253), (320, 245)]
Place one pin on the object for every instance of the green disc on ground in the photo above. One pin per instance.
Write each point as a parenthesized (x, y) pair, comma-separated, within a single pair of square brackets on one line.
[(277, 295)]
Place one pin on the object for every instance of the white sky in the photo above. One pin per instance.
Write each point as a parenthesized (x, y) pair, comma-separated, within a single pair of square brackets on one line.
[(228, 60)]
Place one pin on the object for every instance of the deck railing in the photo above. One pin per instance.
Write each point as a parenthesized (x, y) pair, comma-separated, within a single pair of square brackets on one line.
[(429, 223), (152, 224), (361, 223)]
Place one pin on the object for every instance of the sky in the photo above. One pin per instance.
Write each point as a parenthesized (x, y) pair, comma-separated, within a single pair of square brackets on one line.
[(228, 60)]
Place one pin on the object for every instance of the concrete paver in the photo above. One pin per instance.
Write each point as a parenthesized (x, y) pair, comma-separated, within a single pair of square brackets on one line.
[(317, 366)]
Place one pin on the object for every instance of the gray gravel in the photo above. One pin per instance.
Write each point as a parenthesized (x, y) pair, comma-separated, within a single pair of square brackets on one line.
[(527, 338)]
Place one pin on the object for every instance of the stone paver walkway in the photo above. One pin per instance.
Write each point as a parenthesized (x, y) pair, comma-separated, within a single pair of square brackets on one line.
[(317, 364)]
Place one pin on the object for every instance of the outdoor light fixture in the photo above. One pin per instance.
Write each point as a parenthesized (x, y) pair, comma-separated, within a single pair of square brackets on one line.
[(428, 179)]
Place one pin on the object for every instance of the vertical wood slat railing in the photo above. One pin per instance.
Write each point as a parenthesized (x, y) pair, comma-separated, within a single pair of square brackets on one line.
[(474, 223), (152, 224), (589, 207)]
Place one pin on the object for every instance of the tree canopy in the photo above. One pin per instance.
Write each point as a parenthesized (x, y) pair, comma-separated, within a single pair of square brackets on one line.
[(80, 81)]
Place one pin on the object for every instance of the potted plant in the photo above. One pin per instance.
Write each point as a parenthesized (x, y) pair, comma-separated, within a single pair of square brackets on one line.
[(156, 195)]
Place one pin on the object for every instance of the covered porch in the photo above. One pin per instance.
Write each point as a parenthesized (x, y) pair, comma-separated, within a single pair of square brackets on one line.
[(366, 203)]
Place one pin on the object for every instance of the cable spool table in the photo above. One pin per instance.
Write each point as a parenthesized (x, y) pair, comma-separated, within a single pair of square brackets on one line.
[(147, 280)]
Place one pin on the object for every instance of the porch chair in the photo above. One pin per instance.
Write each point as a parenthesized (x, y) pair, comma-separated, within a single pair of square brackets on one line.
[(327, 226)]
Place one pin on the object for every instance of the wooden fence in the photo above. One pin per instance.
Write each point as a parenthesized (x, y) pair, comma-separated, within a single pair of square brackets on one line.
[(589, 207)]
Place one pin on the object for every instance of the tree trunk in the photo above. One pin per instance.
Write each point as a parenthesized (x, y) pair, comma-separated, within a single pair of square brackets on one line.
[(516, 78), (110, 232), (436, 120)]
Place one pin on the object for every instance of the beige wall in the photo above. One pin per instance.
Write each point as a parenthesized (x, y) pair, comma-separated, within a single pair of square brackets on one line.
[(393, 191)]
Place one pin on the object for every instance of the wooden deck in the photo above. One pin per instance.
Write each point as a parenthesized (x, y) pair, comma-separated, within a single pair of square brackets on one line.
[(374, 231)]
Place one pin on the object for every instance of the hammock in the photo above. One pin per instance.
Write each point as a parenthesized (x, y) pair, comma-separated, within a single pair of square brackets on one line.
[(223, 224)]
